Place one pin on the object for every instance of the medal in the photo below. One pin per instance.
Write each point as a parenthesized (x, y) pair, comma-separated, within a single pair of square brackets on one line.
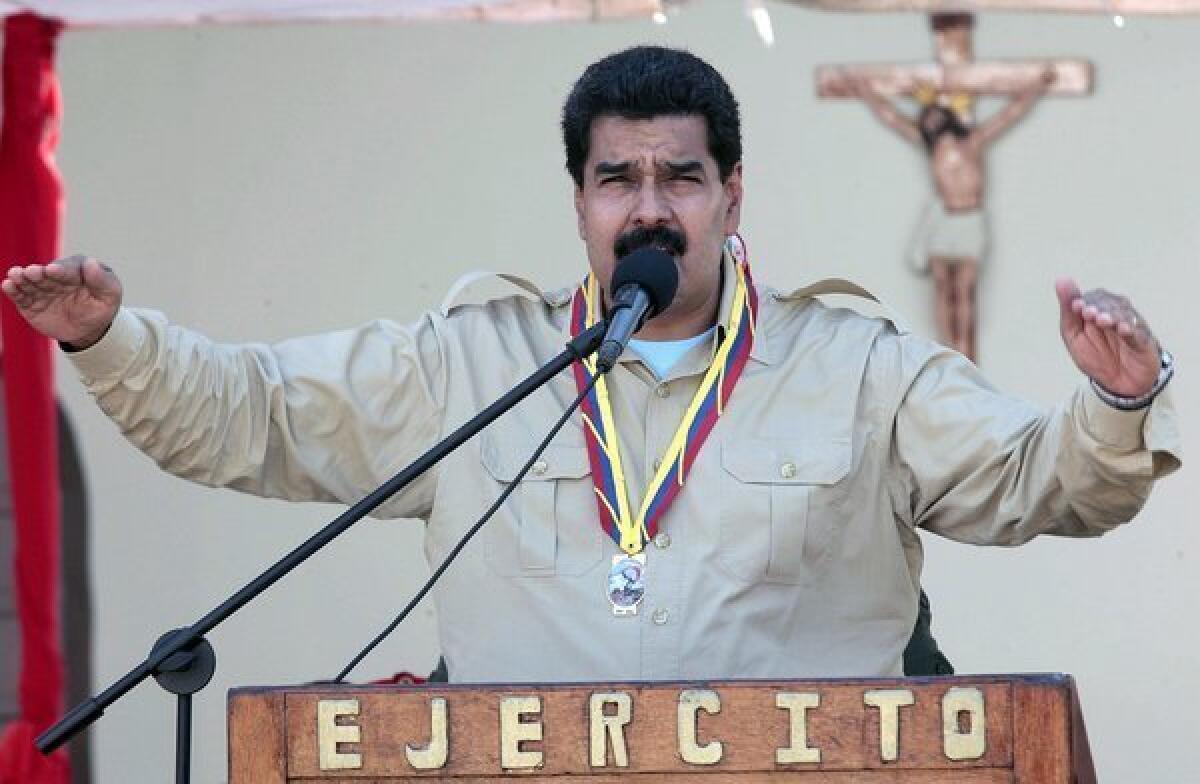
[(626, 583), (626, 586)]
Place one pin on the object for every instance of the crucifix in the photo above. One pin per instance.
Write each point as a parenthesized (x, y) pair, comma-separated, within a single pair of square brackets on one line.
[(952, 238)]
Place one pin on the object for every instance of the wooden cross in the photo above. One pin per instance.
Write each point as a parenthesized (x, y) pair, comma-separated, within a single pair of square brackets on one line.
[(956, 70), (953, 237)]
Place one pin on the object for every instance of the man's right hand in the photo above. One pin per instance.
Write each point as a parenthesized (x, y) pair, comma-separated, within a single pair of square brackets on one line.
[(73, 300)]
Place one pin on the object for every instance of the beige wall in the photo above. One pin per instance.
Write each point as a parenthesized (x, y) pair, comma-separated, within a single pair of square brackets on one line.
[(260, 182)]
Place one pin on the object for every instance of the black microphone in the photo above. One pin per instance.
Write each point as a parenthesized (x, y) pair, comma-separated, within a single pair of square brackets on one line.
[(643, 285)]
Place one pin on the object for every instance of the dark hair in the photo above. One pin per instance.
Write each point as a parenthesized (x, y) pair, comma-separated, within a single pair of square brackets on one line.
[(949, 123), (646, 82), (951, 20)]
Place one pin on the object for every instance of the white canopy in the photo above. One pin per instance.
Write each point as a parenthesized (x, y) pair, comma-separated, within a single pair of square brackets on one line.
[(124, 13), (1106, 7)]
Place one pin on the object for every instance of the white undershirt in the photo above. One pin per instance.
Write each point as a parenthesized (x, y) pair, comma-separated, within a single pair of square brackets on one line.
[(661, 355)]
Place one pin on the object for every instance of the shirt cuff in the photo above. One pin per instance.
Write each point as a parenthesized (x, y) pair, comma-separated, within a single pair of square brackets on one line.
[(112, 355), (1153, 429)]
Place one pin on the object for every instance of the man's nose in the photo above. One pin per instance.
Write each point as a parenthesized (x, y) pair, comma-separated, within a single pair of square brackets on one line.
[(651, 208)]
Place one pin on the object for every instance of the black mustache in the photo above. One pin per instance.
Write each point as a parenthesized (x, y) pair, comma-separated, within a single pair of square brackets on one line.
[(656, 237)]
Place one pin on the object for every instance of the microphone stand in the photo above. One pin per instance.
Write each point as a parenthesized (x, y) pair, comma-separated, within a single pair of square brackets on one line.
[(183, 661)]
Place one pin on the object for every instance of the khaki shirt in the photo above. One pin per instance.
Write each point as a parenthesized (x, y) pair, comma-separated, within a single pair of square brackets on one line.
[(792, 551)]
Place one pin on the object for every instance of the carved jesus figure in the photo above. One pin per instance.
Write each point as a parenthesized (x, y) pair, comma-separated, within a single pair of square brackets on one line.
[(952, 239)]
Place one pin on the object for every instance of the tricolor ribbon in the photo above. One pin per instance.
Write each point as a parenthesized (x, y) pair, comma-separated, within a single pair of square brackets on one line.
[(612, 498)]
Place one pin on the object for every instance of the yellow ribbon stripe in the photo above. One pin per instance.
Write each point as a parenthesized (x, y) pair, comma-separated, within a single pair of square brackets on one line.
[(633, 530)]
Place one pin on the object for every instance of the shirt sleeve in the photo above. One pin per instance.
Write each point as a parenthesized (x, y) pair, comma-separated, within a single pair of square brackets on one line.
[(321, 418), (986, 468)]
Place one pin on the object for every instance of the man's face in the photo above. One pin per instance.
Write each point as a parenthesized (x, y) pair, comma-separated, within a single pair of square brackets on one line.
[(654, 182)]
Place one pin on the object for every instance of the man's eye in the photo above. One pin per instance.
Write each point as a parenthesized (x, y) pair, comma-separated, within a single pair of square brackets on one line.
[(617, 179)]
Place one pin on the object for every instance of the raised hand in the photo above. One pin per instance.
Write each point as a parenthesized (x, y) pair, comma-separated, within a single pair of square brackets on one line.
[(1108, 340), (72, 300)]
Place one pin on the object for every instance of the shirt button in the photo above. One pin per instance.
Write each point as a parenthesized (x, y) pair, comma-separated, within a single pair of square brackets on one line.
[(660, 616), (662, 540), (787, 470), (657, 463), (540, 467), (663, 390)]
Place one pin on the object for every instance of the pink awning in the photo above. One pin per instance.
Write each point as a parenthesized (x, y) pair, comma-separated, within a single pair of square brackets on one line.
[(128, 13)]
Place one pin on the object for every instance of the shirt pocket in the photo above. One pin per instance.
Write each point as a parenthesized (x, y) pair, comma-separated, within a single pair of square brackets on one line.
[(781, 506), (549, 525)]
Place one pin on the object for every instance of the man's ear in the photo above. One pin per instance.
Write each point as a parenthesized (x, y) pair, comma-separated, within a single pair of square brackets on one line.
[(579, 211), (733, 193)]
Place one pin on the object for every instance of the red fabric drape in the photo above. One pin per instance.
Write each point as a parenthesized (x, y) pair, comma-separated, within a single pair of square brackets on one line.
[(31, 210)]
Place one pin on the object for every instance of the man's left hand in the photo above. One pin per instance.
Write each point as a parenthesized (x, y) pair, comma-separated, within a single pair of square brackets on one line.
[(1108, 340)]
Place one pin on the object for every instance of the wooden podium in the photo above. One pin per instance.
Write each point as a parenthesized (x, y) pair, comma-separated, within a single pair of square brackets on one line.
[(969, 730)]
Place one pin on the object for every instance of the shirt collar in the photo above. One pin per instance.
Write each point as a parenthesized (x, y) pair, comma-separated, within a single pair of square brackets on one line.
[(759, 352)]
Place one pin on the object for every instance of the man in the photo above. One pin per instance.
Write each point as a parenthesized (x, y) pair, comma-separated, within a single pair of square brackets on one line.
[(953, 236), (758, 462)]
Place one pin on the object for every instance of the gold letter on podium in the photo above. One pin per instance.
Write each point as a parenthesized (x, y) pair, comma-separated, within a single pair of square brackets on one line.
[(513, 731), (889, 702), (330, 734), (797, 705), (964, 745), (691, 701), (434, 755), (609, 728)]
